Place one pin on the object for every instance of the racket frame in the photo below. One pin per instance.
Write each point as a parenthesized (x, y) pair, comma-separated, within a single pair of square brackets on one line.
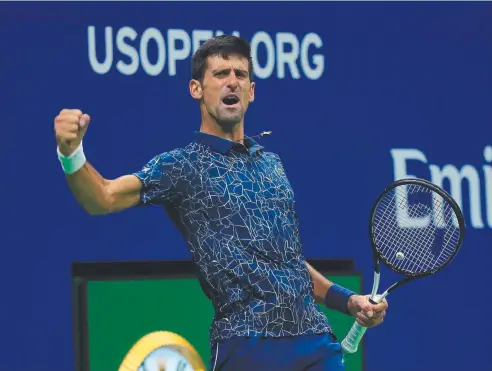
[(351, 342), (447, 197)]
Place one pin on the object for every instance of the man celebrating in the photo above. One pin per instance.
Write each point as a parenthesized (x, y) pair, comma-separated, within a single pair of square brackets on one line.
[(234, 206)]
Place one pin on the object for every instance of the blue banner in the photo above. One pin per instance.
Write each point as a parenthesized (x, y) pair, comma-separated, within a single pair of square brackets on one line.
[(355, 94)]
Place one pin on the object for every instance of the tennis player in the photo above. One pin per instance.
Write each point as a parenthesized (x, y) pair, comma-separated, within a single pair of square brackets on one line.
[(233, 204)]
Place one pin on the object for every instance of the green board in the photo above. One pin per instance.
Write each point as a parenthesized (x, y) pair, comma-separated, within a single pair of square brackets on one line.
[(120, 312)]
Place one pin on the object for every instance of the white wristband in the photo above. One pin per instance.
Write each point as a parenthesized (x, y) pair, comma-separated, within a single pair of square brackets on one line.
[(74, 162)]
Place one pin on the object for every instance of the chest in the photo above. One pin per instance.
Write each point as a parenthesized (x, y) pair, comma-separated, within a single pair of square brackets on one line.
[(244, 183)]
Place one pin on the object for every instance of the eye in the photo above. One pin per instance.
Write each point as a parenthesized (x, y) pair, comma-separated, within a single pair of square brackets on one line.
[(241, 74), (221, 73)]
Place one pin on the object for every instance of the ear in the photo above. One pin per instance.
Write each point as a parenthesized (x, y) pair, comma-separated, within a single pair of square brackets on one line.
[(196, 89), (252, 92)]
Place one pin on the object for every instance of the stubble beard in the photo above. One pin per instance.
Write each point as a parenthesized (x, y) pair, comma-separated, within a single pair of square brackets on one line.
[(228, 120)]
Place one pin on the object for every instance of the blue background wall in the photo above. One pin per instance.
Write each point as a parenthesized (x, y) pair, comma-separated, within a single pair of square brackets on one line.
[(413, 76)]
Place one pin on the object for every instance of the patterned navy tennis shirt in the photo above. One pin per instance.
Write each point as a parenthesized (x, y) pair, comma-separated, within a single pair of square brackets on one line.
[(234, 206)]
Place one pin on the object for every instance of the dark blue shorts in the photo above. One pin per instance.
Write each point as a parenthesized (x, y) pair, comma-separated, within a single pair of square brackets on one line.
[(309, 352)]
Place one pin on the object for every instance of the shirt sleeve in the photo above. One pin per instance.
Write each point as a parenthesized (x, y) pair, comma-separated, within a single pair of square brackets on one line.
[(158, 183)]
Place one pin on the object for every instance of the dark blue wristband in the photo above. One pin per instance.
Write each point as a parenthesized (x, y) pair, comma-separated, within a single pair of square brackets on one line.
[(337, 297)]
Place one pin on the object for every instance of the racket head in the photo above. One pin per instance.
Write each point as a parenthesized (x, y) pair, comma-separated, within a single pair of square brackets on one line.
[(421, 221)]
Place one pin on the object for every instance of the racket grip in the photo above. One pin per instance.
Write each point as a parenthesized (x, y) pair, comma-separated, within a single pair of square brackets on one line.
[(353, 338)]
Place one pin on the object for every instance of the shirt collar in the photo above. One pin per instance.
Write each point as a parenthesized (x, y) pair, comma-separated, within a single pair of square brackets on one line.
[(223, 145)]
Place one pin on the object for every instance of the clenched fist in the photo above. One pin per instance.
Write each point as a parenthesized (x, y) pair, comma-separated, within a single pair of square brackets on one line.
[(70, 128)]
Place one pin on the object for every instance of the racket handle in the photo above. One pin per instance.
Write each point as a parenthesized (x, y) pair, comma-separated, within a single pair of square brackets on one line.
[(353, 338)]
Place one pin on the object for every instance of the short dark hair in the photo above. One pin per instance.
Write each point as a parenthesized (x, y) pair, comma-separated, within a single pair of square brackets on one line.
[(223, 46)]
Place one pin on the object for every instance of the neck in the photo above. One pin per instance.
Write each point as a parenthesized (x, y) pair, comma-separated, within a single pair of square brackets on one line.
[(233, 133)]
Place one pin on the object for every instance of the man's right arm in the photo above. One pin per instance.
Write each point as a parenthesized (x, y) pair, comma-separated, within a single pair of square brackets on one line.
[(99, 196), (94, 193)]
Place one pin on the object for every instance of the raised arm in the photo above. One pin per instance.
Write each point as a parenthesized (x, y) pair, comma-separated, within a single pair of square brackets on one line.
[(94, 193), (99, 196)]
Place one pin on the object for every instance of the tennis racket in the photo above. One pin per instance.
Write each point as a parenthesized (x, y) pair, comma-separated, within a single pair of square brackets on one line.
[(416, 229)]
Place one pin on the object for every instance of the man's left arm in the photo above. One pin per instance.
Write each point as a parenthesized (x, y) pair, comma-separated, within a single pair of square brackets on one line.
[(343, 300)]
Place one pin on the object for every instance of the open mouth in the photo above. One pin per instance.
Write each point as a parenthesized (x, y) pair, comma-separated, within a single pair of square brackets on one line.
[(230, 100)]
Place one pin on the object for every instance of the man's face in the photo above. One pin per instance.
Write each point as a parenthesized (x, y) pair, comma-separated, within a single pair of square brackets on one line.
[(227, 89)]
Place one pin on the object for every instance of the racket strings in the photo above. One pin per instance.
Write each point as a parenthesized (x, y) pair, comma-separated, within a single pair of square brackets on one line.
[(394, 239), (392, 242), (420, 255), (415, 229)]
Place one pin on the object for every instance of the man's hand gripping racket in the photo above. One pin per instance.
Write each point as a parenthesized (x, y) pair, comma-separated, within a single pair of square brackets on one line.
[(416, 229)]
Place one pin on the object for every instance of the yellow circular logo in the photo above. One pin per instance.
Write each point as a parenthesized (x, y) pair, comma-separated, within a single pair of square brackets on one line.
[(162, 351)]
